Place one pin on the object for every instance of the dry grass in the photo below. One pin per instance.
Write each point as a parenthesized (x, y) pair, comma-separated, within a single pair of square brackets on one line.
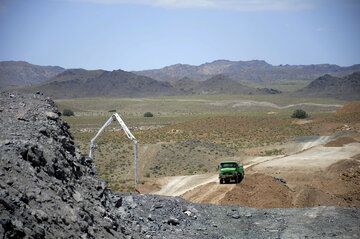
[(187, 135)]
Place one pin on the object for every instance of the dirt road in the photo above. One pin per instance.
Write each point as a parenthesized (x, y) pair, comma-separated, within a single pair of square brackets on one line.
[(314, 176), (178, 185)]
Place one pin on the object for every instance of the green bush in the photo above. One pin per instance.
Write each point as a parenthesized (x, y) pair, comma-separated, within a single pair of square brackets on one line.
[(299, 114), (112, 110), (148, 114), (67, 112)]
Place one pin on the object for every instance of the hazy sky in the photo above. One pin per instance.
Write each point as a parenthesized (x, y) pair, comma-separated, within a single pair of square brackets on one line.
[(146, 34)]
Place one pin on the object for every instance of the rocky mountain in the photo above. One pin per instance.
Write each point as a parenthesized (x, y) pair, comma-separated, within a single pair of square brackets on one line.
[(255, 71), (345, 88), (15, 74), (78, 83), (49, 189), (218, 84)]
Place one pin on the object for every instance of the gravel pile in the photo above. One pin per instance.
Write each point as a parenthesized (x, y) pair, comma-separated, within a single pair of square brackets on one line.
[(49, 190)]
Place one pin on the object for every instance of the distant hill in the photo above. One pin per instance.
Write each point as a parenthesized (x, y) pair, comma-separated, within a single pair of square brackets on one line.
[(218, 84), (77, 83), (15, 74), (345, 88), (256, 71)]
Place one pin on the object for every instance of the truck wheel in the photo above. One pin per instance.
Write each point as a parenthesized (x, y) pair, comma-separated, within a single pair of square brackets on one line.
[(241, 177), (237, 179), (221, 181), (226, 180)]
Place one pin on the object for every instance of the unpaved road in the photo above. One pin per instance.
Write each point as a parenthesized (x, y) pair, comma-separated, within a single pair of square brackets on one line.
[(314, 176), (178, 185)]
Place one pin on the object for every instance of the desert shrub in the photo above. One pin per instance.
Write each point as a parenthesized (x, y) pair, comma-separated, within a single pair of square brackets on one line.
[(148, 114), (67, 112), (147, 175), (299, 114), (112, 110)]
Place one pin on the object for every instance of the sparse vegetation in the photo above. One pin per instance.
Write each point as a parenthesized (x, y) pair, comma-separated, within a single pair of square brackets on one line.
[(299, 114), (67, 112), (148, 114), (184, 131), (272, 152)]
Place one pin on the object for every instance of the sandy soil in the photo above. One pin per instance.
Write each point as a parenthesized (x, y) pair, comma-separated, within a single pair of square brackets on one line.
[(321, 171), (178, 185)]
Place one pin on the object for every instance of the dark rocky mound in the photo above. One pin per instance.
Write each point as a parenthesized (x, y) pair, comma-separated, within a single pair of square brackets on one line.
[(49, 190), (80, 83), (346, 88)]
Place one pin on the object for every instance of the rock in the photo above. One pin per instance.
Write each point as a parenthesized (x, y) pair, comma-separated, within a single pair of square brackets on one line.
[(189, 214), (173, 221), (52, 115), (41, 215), (130, 202), (235, 216), (280, 180), (150, 217), (77, 196), (118, 203)]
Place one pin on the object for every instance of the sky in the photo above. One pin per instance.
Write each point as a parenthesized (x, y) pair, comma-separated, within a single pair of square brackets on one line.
[(150, 34)]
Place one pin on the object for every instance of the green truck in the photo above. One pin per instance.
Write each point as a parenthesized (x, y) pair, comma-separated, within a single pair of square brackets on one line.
[(231, 170)]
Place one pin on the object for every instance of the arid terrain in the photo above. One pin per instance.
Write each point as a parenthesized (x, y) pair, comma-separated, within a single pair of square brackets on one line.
[(179, 119), (50, 189), (324, 172), (180, 148)]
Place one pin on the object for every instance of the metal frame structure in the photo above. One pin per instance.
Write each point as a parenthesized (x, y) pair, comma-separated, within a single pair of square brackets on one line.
[(128, 134)]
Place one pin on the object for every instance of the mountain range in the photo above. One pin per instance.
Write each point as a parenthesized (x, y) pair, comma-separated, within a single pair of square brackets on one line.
[(15, 74), (256, 71), (76, 83), (79, 83)]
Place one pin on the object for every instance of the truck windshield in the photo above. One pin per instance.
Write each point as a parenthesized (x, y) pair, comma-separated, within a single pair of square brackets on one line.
[(228, 165)]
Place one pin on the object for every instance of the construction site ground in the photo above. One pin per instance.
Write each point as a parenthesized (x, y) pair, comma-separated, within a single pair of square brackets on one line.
[(319, 171)]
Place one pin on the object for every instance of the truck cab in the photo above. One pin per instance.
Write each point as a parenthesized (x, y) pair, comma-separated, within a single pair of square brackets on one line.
[(231, 170)]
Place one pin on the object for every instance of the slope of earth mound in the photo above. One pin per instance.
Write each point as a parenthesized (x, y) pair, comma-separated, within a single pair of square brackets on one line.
[(250, 193), (350, 107), (49, 190)]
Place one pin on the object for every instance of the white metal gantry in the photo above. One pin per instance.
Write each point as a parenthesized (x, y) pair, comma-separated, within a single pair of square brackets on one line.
[(128, 134)]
